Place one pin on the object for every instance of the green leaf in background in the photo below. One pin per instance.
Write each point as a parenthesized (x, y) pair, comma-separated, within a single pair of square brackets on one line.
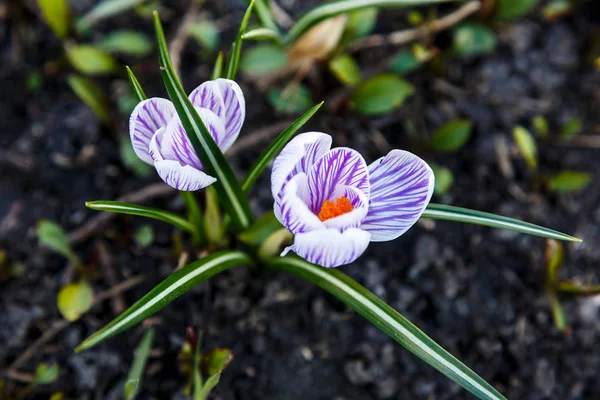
[(540, 126), (261, 34), (266, 17), (577, 289), (261, 229), (557, 9), (572, 128), (293, 100), (459, 214), (404, 62), (126, 42), (569, 181), (527, 146), (216, 361), (558, 312), (106, 9), (361, 22), (57, 15), (91, 60), (443, 179), (388, 320), (130, 160), (46, 374), (142, 211), (380, 94), (92, 95), (275, 147), (228, 188), (511, 9), (236, 47), (345, 69), (206, 33), (137, 88), (140, 358), (452, 135), (473, 39), (213, 223), (217, 71), (144, 236), (263, 59), (555, 257), (53, 236), (75, 299), (176, 284), (274, 243)]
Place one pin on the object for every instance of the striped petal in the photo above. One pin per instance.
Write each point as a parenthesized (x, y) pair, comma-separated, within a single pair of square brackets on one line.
[(175, 144), (341, 166), (147, 117), (298, 156), (330, 247), (401, 187), (354, 218), (291, 209), (173, 173), (224, 97)]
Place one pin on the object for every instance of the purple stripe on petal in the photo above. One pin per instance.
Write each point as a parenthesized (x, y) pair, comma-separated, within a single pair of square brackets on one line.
[(354, 218), (401, 187), (291, 209), (147, 117)]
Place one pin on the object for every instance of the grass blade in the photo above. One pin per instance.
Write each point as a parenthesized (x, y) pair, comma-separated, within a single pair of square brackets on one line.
[(176, 284), (236, 47), (217, 71), (213, 160), (265, 16), (459, 214), (320, 13), (142, 211), (389, 321), (105, 9), (142, 353), (137, 88), (275, 147)]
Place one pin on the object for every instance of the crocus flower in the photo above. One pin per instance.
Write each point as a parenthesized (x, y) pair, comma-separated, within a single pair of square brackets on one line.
[(335, 205), (159, 138)]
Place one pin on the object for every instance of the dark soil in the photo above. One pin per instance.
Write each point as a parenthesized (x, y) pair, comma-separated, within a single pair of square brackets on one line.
[(478, 292)]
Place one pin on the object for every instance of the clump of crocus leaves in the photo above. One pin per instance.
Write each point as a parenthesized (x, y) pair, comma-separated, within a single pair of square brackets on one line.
[(331, 201)]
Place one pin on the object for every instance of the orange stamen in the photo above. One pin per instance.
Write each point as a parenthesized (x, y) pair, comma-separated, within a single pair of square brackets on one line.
[(333, 208)]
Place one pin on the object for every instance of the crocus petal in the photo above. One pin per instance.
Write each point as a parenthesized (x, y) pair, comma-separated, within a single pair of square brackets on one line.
[(291, 209), (298, 156), (340, 166), (330, 247), (180, 177), (225, 98), (401, 187), (354, 218), (175, 144), (147, 117)]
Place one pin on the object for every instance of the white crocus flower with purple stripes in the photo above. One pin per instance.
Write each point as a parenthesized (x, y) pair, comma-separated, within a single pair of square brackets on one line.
[(159, 138), (335, 204)]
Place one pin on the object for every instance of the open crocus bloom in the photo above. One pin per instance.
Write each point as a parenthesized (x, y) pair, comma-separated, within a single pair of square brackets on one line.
[(335, 205), (159, 138)]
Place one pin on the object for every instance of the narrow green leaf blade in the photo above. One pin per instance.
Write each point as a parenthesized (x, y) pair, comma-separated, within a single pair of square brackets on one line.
[(236, 48), (459, 214), (176, 284), (105, 9), (142, 353), (275, 147), (261, 34), (217, 71), (137, 88), (266, 17), (57, 15), (229, 189), (389, 321), (142, 211)]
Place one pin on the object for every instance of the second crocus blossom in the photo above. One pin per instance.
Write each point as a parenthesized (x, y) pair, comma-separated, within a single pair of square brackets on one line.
[(159, 138), (335, 205)]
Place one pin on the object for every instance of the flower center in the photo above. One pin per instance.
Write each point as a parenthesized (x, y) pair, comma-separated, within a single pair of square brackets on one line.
[(333, 208)]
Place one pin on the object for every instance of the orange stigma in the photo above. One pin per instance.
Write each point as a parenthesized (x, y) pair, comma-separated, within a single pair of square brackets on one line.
[(333, 208)]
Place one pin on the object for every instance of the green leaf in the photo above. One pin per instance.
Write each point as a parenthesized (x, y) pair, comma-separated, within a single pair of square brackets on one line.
[(57, 15), (473, 39), (142, 211), (388, 320), (459, 214), (144, 236), (572, 128), (130, 160), (380, 94), (540, 126), (527, 146), (176, 284), (511, 9), (273, 244), (46, 374), (217, 71), (205, 33), (214, 162), (577, 289), (209, 385), (557, 9), (75, 299), (451, 136), (261, 34), (558, 312), (140, 358), (266, 17), (54, 237), (361, 22), (570, 181), (293, 100), (137, 88), (236, 47), (263, 59), (404, 62), (345, 69), (92, 95), (216, 361), (91, 60), (105, 9), (126, 42), (329, 10), (260, 230), (213, 224), (443, 179), (275, 147), (555, 257)]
